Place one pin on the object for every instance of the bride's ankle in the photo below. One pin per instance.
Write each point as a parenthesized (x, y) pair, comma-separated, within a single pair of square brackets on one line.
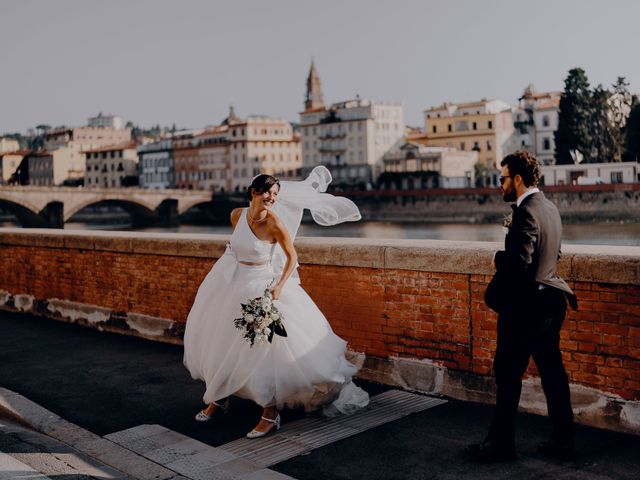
[(270, 412)]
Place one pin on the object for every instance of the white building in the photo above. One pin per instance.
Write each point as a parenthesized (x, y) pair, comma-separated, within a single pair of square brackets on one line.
[(106, 121), (591, 173), (155, 164), (349, 137), (535, 122)]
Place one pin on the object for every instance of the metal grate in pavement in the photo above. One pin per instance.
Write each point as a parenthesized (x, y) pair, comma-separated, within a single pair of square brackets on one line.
[(302, 436)]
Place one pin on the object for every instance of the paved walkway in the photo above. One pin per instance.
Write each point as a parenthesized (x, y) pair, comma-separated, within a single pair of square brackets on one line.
[(105, 383)]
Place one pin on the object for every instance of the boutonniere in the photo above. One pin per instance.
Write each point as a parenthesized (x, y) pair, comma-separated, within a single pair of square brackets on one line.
[(507, 222)]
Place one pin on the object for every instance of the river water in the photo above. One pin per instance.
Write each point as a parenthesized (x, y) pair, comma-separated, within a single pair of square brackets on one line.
[(587, 234)]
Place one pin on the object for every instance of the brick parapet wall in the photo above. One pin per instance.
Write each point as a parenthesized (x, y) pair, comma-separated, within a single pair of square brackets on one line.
[(413, 310)]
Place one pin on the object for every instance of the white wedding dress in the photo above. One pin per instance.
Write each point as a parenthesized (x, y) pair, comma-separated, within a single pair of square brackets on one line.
[(308, 367)]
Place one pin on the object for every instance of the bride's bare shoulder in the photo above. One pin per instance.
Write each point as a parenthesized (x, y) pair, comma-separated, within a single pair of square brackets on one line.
[(235, 215)]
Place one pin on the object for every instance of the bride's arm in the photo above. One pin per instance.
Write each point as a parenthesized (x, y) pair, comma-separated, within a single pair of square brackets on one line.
[(284, 240)]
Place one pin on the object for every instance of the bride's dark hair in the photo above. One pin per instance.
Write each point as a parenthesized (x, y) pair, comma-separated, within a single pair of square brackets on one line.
[(262, 183)]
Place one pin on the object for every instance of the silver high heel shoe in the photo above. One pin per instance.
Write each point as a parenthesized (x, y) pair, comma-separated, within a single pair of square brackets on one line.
[(275, 425), (203, 417)]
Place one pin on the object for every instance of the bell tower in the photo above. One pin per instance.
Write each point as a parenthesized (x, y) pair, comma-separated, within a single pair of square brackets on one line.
[(313, 98)]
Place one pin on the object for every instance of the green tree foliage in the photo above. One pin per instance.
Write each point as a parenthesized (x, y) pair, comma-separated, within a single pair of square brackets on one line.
[(601, 127), (620, 107), (632, 132), (592, 122), (573, 118)]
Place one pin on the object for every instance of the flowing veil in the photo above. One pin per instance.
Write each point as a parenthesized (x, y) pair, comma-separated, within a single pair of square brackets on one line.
[(326, 209)]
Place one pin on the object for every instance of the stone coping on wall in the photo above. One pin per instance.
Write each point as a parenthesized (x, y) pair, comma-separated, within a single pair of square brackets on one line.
[(591, 263)]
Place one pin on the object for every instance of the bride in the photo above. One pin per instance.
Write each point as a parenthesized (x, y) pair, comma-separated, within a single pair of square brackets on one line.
[(307, 367)]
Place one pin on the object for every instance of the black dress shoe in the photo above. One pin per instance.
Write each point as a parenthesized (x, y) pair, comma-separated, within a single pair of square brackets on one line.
[(555, 449), (488, 452)]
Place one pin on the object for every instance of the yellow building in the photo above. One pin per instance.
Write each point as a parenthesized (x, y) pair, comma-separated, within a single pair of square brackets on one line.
[(485, 127)]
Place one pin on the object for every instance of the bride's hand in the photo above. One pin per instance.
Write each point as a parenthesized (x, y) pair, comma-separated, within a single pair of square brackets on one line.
[(276, 291)]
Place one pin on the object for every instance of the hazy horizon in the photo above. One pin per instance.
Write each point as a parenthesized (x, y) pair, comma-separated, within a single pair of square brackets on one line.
[(165, 62)]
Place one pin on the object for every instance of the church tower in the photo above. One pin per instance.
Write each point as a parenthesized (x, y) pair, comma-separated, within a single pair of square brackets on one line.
[(313, 99)]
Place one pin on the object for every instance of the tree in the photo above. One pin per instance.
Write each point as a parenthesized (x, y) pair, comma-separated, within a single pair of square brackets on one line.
[(573, 118), (620, 107), (602, 129), (632, 132)]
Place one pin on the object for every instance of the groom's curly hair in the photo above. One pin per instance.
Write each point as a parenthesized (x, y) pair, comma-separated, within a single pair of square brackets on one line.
[(262, 183), (524, 164)]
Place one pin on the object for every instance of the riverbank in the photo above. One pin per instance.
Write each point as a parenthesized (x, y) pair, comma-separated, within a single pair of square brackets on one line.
[(619, 203)]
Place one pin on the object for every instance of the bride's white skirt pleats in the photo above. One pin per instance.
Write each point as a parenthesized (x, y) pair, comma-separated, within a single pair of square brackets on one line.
[(308, 367)]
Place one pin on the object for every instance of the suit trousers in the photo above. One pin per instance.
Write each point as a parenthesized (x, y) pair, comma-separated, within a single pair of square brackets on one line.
[(524, 333)]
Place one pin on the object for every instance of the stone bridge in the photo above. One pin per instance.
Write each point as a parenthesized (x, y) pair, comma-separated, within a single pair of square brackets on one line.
[(53, 206)]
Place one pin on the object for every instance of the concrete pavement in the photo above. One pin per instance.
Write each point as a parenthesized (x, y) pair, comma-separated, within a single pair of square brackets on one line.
[(105, 383)]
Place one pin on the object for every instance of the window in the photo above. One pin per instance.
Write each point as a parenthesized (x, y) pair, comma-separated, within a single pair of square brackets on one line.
[(546, 144), (545, 121), (449, 127), (462, 145), (616, 177), (489, 146), (475, 125), (490, 124), (435, 129), (462, 125)]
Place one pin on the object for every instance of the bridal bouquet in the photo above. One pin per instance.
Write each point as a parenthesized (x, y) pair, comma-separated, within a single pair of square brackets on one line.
[(260, 320)]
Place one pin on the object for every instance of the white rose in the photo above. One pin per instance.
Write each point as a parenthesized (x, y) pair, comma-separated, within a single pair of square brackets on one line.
[(266, 303), (267, 331), (249, 318)]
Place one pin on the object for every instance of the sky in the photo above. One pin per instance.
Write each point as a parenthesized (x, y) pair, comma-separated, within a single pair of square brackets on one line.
[(184, 62)]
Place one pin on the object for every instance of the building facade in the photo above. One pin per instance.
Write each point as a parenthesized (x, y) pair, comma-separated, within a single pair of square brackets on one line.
[(8, 145), (263, 144), (535, 122), (106, 121), (227, 156), (591, 173), (350, 137), (9, 163), (186, 160), (112, 167), (485, 127), (155, 164), (70, 144), (54, 167), (412, 165), (215, 158)]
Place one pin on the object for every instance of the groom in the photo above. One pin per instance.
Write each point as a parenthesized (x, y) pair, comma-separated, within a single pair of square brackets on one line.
[(531, 301)]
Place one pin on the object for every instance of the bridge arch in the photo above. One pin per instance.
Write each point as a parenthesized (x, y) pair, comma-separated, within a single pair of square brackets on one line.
[(141, 215), (27, 214)]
